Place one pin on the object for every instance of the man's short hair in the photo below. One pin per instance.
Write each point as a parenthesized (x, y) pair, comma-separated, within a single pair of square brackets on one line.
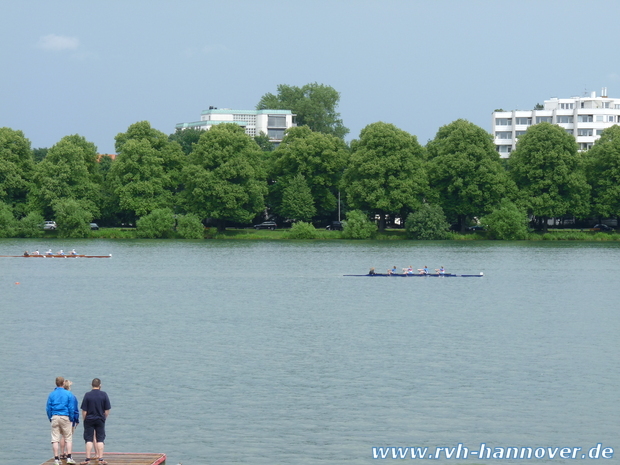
[(96, 383), (60, 381)]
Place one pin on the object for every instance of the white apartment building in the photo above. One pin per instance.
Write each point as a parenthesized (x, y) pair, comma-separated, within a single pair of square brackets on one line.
[(273, 123), (583, 117)]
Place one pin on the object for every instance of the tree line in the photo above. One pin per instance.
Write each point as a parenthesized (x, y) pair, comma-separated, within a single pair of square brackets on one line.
[(226, 178)]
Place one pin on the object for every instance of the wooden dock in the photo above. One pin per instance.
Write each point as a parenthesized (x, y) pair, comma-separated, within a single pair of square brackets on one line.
[(118, 458)]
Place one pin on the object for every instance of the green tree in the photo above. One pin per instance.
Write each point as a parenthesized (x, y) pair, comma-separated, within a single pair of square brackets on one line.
[(358, 226), (39, 154), (146, 174), (427, 223), (385, 173), (314, 104), (16, 169), (68, 171), (30, 225), (549, 174), (507, 222), (157, 224), (465, 171), (72, 217), (603, 173), (297, 202), (225, 177), (186, 138), (8, 224), (318, 158), (264, 142)]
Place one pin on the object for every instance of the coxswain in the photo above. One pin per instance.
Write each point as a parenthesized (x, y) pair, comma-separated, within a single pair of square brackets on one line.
[(26, 254), (423, 270), (372, 272)]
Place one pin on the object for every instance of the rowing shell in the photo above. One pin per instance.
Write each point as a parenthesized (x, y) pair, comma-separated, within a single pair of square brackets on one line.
[(430, 275), (57, 256)]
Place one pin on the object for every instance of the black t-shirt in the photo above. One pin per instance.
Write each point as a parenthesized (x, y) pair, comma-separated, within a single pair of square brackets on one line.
[(95, 403)]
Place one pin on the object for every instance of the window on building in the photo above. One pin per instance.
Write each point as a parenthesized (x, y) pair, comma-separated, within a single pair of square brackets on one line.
[(569, 131), (585, 145), (503, 135), (544, 119), (504, 148), (585, 118), (599, 132), (275, 133), (503, 121), (599, 118), (564, 119), (519, 133), (584, 132), (275, 121), (524, 121), (612, 119), (567, 106), (605, 104)]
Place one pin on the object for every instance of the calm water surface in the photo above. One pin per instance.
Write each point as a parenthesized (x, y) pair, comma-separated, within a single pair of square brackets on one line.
[(263, 353)]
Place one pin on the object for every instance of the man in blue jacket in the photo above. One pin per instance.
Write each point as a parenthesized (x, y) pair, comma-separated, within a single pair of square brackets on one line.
[(62, 413)]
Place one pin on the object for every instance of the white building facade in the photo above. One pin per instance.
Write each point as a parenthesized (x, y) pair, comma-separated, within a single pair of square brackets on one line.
[(583, 117), (273, 123)]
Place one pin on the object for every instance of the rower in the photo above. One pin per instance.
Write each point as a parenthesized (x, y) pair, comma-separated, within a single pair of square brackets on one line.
[(60, 253), (36, 252), (49, 252), (423, 270), (392, 271), (410, 270), (441, 270), (73, 252)]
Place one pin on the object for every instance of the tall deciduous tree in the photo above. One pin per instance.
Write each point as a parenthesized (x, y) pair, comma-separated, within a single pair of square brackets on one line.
[(465, 171), (68, 172), (385, 173), (16, 169), (319, 158), (549, 172), (226, 177), (603, 172), (314, 104), (146, 174), (297, 201)]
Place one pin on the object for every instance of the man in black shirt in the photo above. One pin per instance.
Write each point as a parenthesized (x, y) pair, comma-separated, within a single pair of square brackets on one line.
[(95, 409)]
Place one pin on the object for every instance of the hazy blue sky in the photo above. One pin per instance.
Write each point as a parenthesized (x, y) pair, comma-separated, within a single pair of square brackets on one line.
[(95, 67)]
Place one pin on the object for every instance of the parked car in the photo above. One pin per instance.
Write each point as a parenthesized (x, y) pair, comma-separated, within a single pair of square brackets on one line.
[(476, 228), (49, 225), (266, 225), (94, 226), (601, 227), (334, 226)]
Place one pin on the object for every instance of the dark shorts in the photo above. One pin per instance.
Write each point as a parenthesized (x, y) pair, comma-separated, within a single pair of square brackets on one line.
[(94, 426)]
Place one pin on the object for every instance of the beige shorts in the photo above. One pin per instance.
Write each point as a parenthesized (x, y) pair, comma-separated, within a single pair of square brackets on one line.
[(61, 426)]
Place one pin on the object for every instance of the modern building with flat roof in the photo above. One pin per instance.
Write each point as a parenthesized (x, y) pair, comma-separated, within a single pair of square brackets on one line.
[(273, 123), (583, 117)]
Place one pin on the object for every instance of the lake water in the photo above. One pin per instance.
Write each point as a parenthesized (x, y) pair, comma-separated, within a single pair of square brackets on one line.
[(261, 352)]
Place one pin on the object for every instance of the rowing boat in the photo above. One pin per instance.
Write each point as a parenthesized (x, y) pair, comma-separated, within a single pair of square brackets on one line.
[(430, 275), (57, 256)]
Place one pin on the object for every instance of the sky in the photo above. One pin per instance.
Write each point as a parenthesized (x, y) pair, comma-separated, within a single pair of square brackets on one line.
[(93, 68)]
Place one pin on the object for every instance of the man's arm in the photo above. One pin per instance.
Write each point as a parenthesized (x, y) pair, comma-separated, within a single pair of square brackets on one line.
[(106, 413), (83, 415)]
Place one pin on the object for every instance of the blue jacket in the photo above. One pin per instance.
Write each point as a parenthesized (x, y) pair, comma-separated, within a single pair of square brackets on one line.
[(63, 402)]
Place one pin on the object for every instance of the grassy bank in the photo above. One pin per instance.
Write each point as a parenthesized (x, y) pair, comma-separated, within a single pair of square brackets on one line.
[(388, 235)]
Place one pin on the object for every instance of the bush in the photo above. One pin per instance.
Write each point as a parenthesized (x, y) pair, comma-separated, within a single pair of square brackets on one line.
[(507, 222), (30, 225), (302, 230), (427, 223), (190, 227), (72, 218), (358, 226), (157, 224)]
